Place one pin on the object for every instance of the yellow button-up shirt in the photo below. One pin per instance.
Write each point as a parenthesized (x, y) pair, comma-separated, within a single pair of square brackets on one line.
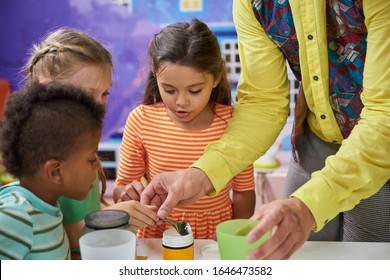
[(362, 165)]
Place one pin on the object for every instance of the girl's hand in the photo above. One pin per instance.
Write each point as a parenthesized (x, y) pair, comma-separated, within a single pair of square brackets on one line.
[(140, 215), (132, 191)]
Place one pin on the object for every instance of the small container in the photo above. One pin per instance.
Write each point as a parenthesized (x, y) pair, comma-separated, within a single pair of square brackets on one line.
[(176, 246), (210, 252), (106, 219)]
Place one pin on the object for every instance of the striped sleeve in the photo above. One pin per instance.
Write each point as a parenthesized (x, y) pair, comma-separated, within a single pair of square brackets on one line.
[(132, 152), (31, 229), (16, 231)]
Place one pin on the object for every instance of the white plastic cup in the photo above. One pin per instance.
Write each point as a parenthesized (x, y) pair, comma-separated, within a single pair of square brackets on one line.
[(108, 244)]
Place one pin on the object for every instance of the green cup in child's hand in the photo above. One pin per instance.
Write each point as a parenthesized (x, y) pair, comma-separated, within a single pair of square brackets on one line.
[(231, 238)]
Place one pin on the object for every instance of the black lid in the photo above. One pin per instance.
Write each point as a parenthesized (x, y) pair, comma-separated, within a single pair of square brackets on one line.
[(104, 219)]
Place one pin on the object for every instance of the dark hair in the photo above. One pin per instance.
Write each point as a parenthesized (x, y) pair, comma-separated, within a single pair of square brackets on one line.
[(44, 122), (191, 44)]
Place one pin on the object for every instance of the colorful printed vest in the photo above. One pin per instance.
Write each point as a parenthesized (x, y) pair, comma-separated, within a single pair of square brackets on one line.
[(346, 33)]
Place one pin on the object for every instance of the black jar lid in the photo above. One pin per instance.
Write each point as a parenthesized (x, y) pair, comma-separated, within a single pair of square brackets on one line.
[(105, 219)]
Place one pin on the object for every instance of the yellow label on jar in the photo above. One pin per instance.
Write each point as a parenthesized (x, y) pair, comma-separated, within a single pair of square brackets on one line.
[(186, 253)]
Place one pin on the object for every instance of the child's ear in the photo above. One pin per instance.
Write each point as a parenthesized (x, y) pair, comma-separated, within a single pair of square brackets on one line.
[(217, 80), (53, 170)]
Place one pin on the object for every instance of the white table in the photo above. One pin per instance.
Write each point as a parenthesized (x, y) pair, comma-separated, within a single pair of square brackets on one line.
[(326, 250), (311, 250)]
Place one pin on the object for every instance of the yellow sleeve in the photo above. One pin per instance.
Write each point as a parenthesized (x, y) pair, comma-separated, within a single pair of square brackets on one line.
[(262, 110), (362, 165)]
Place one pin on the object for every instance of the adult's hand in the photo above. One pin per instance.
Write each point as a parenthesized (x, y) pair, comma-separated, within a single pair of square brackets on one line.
[(290, 222), (178, 188)]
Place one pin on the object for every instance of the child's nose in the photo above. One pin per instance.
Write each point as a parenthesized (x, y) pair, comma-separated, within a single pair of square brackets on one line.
[(98, 165), (182, 100)]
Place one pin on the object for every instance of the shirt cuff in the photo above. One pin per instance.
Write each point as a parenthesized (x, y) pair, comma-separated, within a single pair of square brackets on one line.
[(320, 199)]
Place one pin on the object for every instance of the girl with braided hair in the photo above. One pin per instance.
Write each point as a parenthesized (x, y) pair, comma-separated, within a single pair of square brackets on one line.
[(72, 56)]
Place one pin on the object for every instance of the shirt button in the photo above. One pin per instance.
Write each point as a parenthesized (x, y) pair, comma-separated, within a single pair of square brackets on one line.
[(315, 78), (323, 117), (310, 37)]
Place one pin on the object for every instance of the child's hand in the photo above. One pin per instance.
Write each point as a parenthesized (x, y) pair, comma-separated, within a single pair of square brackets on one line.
[(132, 191), (140, 215)]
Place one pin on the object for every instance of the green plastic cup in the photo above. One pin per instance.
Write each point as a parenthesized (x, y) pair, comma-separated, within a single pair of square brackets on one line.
[(231, 238)]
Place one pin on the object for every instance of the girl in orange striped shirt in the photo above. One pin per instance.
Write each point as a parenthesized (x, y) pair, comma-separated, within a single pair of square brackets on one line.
[(187, 105)]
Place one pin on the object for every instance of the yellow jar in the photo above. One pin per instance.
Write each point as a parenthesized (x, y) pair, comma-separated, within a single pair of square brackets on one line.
[(176, 246)]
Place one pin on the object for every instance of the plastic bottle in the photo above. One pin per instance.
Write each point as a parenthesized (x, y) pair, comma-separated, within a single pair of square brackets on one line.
[(176, 246)]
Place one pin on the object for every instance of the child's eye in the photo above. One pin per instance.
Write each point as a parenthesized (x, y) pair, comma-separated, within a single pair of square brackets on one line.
[(195, 91), (107, 93), (169, 91)]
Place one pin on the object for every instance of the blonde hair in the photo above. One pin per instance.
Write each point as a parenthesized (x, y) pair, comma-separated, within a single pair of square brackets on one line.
[(61, 51), (58, 55)]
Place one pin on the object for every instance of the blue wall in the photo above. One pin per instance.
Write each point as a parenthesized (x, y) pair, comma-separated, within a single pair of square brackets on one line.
[(125, 30)]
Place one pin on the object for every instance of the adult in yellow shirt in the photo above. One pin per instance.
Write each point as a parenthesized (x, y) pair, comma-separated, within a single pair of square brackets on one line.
[(339, 50)]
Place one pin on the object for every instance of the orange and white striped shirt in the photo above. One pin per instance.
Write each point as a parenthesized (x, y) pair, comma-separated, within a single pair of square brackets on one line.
[(153, 144)]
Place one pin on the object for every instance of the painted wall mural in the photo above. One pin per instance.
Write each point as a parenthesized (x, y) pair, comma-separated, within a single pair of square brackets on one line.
[(124, 26)]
